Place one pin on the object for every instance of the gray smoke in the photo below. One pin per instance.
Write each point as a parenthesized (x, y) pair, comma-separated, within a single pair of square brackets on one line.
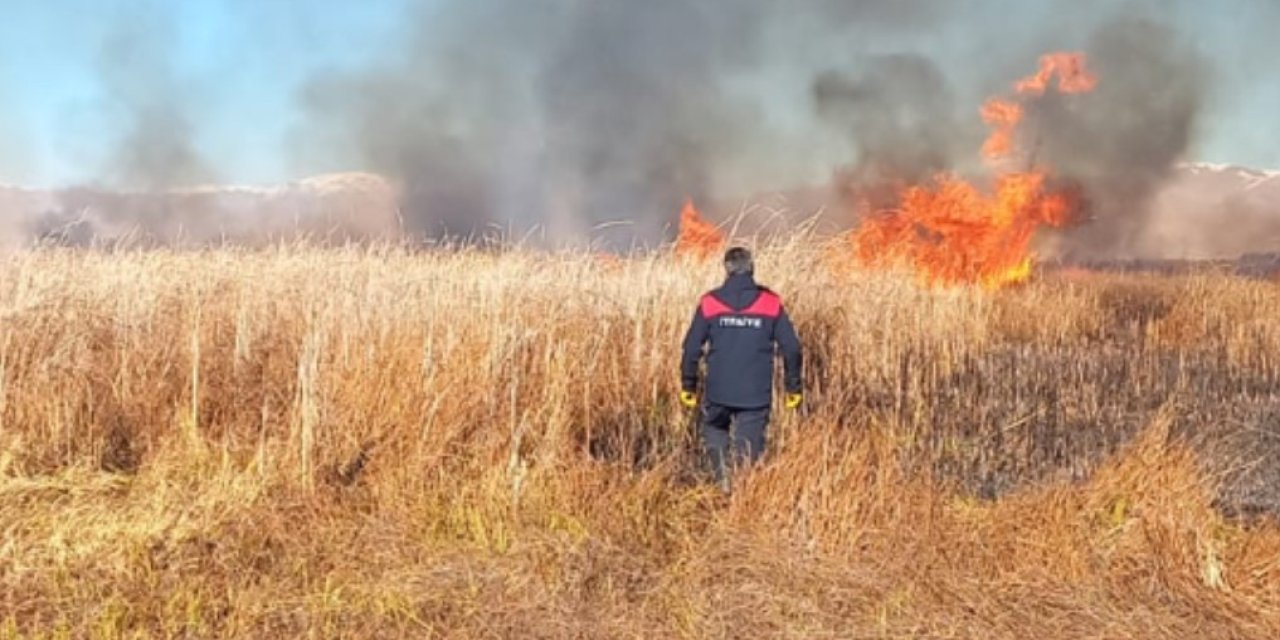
[(1121, 143), (594, 119), (156, 147), (899, 113), (634, 115), (155, 186), (1116, 146), (571, 114), (153, 150)]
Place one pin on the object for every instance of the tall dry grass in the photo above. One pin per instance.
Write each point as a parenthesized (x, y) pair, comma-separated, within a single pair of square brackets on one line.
[(380, 443)]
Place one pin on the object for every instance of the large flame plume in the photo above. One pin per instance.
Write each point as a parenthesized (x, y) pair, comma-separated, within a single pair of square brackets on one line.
[(952, 231)]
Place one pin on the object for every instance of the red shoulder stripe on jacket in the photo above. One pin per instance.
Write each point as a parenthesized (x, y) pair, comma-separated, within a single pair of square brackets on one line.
[(767, 304), (712, 307)]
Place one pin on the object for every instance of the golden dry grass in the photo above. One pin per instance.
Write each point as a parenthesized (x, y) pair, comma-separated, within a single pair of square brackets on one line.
[(380, 443)]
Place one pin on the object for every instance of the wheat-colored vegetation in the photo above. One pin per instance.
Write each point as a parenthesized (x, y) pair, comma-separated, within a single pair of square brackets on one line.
[(385, 443)]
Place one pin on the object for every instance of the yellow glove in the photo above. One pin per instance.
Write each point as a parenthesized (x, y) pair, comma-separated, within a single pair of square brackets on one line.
[(793, 400), (689, 399)]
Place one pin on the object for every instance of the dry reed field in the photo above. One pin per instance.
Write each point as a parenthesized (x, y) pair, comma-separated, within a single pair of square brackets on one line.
[(330, 443)]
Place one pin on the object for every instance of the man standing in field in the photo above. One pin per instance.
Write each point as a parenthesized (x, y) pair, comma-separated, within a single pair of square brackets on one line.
[(742, 322)]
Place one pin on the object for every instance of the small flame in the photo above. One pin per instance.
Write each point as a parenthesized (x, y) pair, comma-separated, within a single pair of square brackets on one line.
[(953, 232), (1003, 117), (1068, 67), (1014, 275), (698, 238)]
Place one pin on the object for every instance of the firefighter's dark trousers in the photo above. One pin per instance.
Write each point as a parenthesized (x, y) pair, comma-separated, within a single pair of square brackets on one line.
[(732, 436)]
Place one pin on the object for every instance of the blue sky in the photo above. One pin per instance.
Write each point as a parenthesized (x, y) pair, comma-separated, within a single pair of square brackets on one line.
[(239, 64)]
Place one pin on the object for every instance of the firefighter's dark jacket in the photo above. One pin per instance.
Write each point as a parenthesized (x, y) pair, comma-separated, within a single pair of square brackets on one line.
[(742, 321)]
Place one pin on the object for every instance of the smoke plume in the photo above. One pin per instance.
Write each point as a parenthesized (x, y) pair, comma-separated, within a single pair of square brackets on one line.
[(156, 147), (1122, 142), (1116, 146), (573, 115), (152, 149), (595, 119), (899, 115)]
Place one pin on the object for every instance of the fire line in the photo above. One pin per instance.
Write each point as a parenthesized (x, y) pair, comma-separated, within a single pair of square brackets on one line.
[(951, 231)]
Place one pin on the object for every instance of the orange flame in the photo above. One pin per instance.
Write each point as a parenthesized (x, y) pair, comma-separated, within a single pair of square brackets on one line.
[(1070, 70), (698, 238), (953, 232), (1003, 117)]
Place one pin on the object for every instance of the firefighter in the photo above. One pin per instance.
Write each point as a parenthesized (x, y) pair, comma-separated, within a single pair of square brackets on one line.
[(741, 322)]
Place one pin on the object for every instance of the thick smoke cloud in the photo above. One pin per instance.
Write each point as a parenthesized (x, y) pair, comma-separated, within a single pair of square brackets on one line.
[(1122, 142), (633, 112), (574, 115), (1116, 146), (899, 114), (594, 119)]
